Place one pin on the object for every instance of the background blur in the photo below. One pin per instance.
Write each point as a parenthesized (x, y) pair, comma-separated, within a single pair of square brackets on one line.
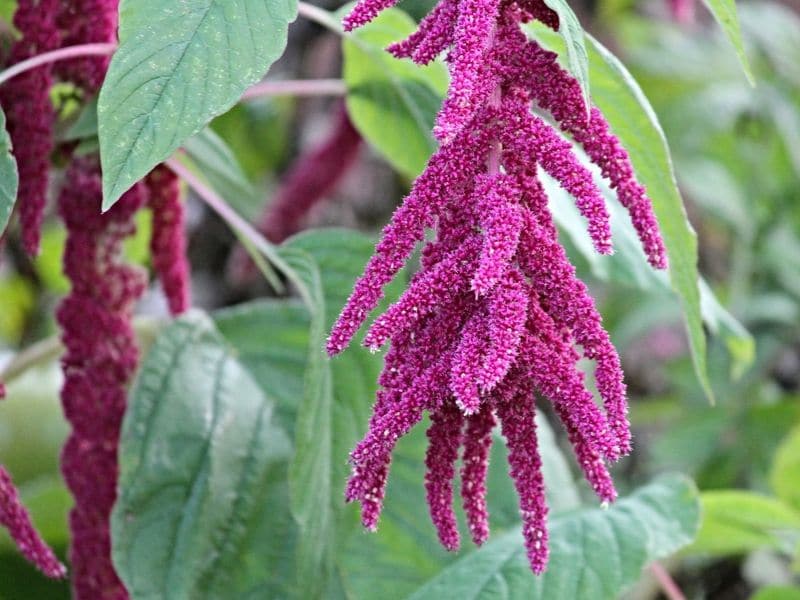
[(736, 150)]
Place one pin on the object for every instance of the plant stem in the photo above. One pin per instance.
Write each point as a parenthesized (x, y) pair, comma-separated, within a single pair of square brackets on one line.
[(296, 87), (668, 585), (56, 55), (319, 16), (237, 222)]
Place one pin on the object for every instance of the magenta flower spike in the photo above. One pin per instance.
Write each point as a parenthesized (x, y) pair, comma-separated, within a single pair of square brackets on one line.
[(168, 241), (495, 316), (99, 362), (16, 520), (30, 116)]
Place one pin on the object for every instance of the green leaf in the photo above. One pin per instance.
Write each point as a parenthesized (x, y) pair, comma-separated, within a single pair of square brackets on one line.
[(736, 522), (392, 102), (336, 400), (634, 122), (178, 66), (777, 592), (785, 472), (628, 266), (85, 126), (215, 161), (198, 455), (9, 177), (724, 12), (405, 553), (594, 553), (577, 59)]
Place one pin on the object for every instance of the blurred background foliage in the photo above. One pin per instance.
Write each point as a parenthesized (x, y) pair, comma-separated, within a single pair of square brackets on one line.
[(736, 151)]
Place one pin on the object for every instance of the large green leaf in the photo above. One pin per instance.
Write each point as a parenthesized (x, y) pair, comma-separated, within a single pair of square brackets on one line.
[(199, 457), (594, 554), (9, 177), (392, 102), (736, 522), (633, 121), (785, 472), (724, 12), (577, 59), (178, 66), (627, 266)]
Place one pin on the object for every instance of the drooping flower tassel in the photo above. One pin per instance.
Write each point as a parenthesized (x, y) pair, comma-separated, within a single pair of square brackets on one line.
[(29, 113), (86, 22), (496, 314), (99, 362), (168, 241), (16, 520)]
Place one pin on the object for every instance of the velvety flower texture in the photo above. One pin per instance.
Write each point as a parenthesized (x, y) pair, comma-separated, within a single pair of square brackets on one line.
[(496, 313), (168, 240), (15, 518), (86, 22), (99, 362), (29, 112)]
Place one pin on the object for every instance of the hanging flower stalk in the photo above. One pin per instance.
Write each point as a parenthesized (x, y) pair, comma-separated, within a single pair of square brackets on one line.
[(99, 362), (30, 115), (85, 22), (168, 241), (496, 312), (16, 520)]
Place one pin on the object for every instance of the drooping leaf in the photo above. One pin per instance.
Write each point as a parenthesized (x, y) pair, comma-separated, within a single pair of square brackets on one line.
[(736, 522), (570, 29), (198, 457), (594, 553), (785, 472), (724, 12), (178, 66), (217, 163), (392, 102), (628, 267), (633, 121), (9, 177)]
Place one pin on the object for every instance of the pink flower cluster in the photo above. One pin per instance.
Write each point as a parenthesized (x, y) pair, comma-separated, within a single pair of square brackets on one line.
[(496, 312), (15, 518), (85, 22), (29, 113), (99, 362), (168, 239)]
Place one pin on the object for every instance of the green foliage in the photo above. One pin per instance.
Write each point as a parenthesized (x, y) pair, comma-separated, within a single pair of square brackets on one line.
[(724, 12), (392, 102), (198, 459), (785, 473), (9, 177), (652, 523), (735, 522), (634, 122), (165, 83)]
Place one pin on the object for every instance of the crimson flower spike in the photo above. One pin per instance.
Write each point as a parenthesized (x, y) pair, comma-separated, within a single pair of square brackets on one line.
[(496, 314), (15, 518)]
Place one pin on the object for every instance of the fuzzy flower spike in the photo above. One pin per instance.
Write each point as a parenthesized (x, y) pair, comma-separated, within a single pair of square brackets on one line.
[(496, 314)]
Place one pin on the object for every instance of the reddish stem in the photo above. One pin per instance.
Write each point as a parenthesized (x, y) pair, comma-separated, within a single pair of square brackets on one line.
[(668, 585)]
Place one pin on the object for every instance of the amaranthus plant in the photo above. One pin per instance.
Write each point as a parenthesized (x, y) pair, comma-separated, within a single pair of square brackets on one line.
[(207, 454)]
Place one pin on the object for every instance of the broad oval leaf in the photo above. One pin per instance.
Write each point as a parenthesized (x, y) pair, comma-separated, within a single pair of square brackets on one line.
[(9, 177), (179, 64), (197, 455), (392, 102), (594, 554)]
